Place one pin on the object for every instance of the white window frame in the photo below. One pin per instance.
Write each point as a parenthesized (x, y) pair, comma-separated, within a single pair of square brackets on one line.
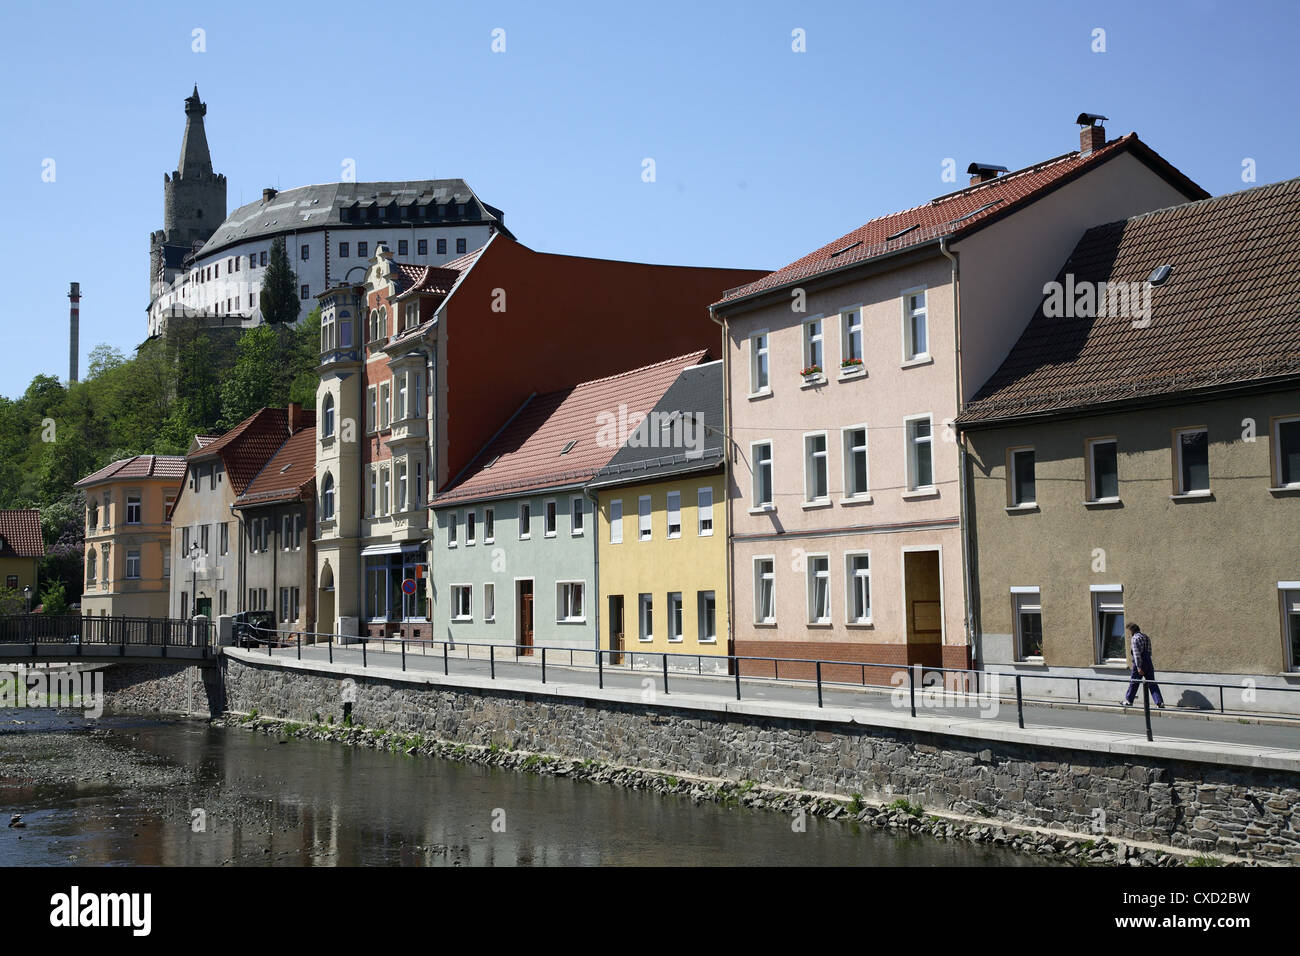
[(1024, 599), (757, 352), (550, 517), (645, 518), (1179, 490), (758, 504), (645, 608), (814, 341), (471, 527), (1288, 595), (676, 618), (1013, 476), (525, 520), (133, 554), (489, 601), (704, 510), (134, 501), (847, 451), (452, 518), (672, 509), (616, 521), (577, 516), (813, 576), (850, 588), (852, 323), (457, 590), (910, 450), (912, 355), (564, 591), (810, 462), (1091, 446), (489, 525), (759, 577), (1106, 596), (1275, 438)]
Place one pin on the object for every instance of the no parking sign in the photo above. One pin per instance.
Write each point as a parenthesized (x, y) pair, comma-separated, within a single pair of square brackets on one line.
[(408, 586)]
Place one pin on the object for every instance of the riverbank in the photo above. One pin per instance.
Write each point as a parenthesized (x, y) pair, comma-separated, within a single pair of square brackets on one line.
[(797, 805)]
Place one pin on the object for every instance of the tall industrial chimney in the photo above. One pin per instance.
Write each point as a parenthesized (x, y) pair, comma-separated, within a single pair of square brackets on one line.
[(74, 329)]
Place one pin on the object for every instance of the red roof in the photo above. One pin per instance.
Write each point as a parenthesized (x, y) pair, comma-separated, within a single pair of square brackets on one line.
[(528, 453), (140, 466), (246, 447), (956, 214), (21, 531), (288, 476)]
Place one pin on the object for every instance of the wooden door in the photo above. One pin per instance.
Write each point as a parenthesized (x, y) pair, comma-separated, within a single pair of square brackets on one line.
[(525, 619)]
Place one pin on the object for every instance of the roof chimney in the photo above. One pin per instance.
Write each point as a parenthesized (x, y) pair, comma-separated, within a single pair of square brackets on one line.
[(295, 418), (983, 172), (268, 193), (74, 330), (1092, 135)]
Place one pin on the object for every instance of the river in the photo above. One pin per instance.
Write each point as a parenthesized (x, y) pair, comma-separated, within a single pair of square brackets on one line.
[(145, 791)]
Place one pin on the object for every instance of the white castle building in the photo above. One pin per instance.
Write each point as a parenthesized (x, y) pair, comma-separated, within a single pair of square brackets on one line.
[(207, 264)]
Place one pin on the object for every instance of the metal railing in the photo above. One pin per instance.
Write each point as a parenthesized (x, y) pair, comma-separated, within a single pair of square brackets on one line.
[(953, 687), (121, 632)]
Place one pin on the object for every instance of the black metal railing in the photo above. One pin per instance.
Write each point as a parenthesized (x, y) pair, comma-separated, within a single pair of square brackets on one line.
[(122, 632)]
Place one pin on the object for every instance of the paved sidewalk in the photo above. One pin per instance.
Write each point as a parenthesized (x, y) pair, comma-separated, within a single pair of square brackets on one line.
[(1264, 738)]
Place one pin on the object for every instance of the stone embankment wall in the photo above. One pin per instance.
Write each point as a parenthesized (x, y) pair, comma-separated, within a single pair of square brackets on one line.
[(165, 687)]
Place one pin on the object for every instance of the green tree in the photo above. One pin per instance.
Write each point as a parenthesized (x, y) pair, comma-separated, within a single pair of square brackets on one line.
[(54, 598), (256, 378), (279, 300)]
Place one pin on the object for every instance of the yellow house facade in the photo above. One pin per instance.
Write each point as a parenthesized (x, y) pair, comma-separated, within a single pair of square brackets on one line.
[(128, 536), (21, 550), (661, 531)]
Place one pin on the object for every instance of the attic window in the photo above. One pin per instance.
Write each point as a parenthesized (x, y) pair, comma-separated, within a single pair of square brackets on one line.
[(492, 462), (902, 232), (976, 212), (851, 245), (286, 468), (568, 447), (1160, 274)]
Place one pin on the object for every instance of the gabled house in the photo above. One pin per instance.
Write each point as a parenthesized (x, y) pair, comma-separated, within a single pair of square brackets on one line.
[(277, 514), (514, 548), (660, 530), (128, 535), (21, 549), (1136, 457), (421, 364), (845, 370)]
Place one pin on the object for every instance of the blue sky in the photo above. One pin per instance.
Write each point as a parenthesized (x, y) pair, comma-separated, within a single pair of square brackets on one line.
[(761, 153)]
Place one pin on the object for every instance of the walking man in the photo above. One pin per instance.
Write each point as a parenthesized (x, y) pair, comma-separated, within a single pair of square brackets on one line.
[(1142, 667)]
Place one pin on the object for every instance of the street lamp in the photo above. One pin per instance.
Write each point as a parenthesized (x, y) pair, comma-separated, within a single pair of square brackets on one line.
[(27, 596), (195, 551)]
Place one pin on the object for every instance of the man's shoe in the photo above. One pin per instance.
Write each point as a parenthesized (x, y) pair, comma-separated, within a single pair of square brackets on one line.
[(1161, 706), (1126, 703)]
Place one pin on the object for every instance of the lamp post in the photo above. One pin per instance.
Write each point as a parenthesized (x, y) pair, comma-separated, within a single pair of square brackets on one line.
[(195, 551), (27, 596)]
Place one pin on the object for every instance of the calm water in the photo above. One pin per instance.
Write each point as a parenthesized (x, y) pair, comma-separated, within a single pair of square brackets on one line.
[(310, 803)]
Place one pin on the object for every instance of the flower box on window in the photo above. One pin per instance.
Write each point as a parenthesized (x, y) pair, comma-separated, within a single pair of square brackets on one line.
[(812, 373), (851, 365)]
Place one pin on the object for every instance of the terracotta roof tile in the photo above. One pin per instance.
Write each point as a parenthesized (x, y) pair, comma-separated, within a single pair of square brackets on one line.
[(21, 531), (952, 215), (1229, 312), (140, 466), (246, 447), (288, 476), (527, 454)]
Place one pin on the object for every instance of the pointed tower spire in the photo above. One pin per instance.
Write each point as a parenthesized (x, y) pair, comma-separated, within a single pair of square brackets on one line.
[(195, 158)]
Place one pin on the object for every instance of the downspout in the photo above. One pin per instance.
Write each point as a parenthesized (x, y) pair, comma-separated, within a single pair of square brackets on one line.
[(726, 482), (595, 557), (963, 487)]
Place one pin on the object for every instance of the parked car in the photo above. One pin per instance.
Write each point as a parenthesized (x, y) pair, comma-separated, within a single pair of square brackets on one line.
[(255, 629)]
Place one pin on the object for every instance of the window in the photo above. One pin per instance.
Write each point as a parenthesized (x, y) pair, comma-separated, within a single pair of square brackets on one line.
[(764, 591), (851, 340), (460, 246), (422, 245), (343, 250), (403, 247), (674, 514), (167, 562), (646, 617), (815, 487), (471, 526), (286, 532), (812, 345), (1103, 470), (915, 344), (363, 250), (920, 465), (1108, 613), (306, 253), (204, 540), (327, 417), (616, 522), (462, 602), (400, 503), (372, 408), (551, 520), (643, 517), (707, 606), (221, 602), (1192, 449), (374, 493), (525, 519), (1286, 456), (384, 489), (675, 615), (385, 405), (819, 589), (489, 523), (1021, 491), (305, 292), (327, 497), (1290, 591), (858, 586), (577, 516), (451, 529), (185, 542), (442, 247), (223, 538), (855, 461), (489, 602), (758, 371), (1029, 624), (762, 457), (132, 509), (284, 605), (261, 259), (704, 508), (569, 606), (298, 522)]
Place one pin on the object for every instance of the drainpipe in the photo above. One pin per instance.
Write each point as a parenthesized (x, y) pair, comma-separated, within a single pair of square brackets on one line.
[(963, 487), (595, 559), (726, 481)]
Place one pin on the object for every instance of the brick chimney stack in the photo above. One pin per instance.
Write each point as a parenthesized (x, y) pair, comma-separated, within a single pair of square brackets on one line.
[(295, 418), (268, 194), (1092, 135)]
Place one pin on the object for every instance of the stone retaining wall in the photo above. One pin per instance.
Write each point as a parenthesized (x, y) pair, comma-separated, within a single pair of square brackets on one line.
[(164, 688), (1195, 806)]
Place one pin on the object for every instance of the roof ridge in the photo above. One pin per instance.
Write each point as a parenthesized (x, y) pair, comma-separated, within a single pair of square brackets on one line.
[(1282, 185), (632, 371)]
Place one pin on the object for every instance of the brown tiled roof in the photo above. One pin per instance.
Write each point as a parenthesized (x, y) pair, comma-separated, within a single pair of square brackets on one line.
[(1229, 312), (140, 466), (433, 280), (21, 531), (246, 447), (526, 454), (955, 214), (288, 476)]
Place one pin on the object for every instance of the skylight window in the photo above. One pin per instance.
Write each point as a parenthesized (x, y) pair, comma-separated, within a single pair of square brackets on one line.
[(1159, 274), (568, 447), (975, 212), (851, 245), (902, 232), (492, 462)]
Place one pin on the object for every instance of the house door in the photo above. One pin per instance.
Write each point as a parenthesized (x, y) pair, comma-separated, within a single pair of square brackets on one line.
[(616, 628), (203, 606), (924, 607), (524, 615)]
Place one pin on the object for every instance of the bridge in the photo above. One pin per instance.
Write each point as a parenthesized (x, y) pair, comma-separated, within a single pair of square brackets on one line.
[(69, 637)]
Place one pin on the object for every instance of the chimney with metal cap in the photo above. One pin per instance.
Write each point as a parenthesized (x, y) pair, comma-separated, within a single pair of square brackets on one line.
[(983, 172), (74, 329), (269, 193), (1092, 135)]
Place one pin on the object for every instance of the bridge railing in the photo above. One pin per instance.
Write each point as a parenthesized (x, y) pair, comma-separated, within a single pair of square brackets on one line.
[(38, 629)]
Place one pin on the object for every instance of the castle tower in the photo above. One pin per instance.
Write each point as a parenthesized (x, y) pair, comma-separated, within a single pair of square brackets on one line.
[(194, 199)]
